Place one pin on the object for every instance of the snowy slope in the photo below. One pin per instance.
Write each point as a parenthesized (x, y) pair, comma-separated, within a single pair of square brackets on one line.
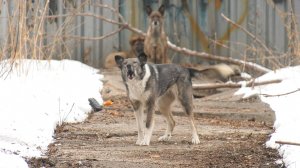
[(287, 111), (35, 96)]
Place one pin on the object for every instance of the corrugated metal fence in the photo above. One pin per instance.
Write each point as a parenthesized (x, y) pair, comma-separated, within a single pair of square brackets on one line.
[(194, 24)]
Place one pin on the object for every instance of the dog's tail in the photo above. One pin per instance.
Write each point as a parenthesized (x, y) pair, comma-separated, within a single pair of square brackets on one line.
[(219, 72)]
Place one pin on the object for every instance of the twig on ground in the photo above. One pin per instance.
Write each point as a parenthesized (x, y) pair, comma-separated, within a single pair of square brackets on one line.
[(282, 94), (232, 85), (65, 117)]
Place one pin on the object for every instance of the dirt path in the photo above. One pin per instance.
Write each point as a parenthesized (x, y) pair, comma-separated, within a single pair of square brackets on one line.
[(107, 138)]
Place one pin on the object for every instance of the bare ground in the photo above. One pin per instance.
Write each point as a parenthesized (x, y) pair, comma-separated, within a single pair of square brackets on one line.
[(232, 134)]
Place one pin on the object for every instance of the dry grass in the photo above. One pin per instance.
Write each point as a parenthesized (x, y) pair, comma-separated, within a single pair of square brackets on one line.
[(26, 36), (25, 31), (289, 20)]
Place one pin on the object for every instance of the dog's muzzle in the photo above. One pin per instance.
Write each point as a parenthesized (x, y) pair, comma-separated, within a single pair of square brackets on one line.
[(155, 24), (130, 72), (130, 75)]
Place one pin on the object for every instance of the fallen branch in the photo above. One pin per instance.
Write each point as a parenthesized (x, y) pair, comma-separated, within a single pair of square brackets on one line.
[(205, 55), (232, 85), (282, 94), (287, 143), (93, 38)]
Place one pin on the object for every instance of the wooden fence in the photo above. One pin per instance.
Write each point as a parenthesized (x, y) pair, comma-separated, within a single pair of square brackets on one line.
[(194, 24)]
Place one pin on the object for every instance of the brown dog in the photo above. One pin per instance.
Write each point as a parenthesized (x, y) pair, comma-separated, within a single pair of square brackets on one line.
[(136, 47), (156, 39)]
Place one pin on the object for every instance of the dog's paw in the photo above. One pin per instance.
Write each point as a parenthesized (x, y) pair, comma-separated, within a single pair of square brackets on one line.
[(195, 140), (165, 137), (138, 142), (144, 142)]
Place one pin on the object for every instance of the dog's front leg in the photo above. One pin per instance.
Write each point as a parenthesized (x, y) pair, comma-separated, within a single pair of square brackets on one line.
[(149, 123), (139, 116)]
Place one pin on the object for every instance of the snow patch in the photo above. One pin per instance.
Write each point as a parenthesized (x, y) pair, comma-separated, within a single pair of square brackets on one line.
[(35, 97)]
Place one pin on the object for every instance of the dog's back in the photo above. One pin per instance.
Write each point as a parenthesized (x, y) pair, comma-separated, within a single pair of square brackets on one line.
[(169, 74)]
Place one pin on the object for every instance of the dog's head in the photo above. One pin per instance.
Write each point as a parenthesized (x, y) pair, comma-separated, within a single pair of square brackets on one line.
[(132, 68), (156, 17), (137, 44)]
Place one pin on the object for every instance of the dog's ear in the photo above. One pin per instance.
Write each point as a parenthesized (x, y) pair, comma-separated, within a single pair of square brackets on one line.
[(162, 9), (132, 40), (148, 10), (119, 60), (142, 58)]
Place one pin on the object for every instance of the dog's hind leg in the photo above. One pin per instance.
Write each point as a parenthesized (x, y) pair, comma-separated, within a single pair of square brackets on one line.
[(164, 105), (195, 137), (139, 116), (185, 97)]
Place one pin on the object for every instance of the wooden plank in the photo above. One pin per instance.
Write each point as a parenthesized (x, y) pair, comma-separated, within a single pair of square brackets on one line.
[(60, 21), (296, 7), (222, 26), (78, 47), (251, 26), (195, 43), (97, 46), (125, 10), (239, 45), (279, 29), (88, 31), (107, 44), (181, 27), (3, 25)]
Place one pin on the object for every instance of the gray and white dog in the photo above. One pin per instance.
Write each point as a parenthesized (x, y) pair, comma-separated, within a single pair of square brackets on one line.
[(156, 85)]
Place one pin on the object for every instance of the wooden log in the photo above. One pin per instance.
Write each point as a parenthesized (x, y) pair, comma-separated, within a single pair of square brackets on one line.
[(287, 143)]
